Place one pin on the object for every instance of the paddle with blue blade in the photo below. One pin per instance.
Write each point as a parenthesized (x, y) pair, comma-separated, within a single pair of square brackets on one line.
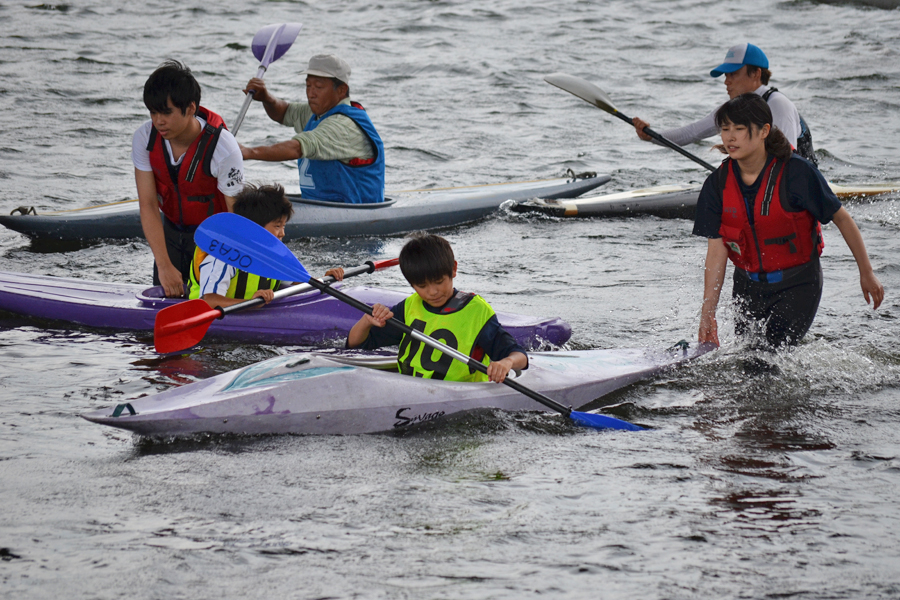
[(247, 246), (183, 325), (269, 44), (592, 94)]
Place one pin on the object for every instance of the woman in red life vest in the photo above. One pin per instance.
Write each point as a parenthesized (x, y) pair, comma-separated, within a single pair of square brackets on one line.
[(763, 209)]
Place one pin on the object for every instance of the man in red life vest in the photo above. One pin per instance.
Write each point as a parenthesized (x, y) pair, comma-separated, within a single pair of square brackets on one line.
[(187, 165)]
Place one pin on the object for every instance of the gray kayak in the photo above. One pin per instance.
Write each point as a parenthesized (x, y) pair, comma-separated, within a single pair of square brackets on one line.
[(315, 393), (401, 213)]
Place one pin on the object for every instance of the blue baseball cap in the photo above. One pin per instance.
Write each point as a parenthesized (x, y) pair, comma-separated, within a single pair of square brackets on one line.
[(740, 55)]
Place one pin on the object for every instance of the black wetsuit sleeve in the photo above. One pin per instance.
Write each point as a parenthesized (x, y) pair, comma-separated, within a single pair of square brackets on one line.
[(808, 190), (379, 337), (708, 218), (496, 342)]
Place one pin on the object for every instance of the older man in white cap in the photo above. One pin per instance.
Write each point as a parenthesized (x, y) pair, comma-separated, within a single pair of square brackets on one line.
[(339, 153), (746, 70)]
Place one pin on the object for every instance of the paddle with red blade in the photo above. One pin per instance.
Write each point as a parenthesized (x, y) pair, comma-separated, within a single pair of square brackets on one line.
[(183, 325), (269, 44), (247, 246)]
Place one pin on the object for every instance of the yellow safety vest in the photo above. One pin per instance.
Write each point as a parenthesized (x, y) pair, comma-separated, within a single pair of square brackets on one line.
[(458, 329), (243, 285)]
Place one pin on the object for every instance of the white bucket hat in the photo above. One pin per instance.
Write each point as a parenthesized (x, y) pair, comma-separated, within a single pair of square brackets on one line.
[(328, 65)]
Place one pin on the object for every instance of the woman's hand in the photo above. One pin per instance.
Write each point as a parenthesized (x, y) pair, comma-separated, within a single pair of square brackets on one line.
[(709, 329), (871, 287)]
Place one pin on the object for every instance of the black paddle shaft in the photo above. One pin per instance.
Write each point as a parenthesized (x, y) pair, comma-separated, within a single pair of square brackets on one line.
[(468, 360), (666, 142)]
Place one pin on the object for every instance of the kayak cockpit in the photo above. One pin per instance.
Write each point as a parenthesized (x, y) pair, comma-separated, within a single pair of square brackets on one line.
[(380, 361), (303, 366), (296, 199)]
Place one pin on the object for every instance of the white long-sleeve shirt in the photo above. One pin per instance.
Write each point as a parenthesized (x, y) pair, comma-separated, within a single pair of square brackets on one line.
[(784, 116)]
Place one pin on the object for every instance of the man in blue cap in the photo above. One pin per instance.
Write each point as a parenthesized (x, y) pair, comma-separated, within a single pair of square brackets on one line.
[(746, 70)]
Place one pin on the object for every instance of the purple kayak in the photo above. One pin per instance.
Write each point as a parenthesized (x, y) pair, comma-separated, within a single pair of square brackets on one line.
[(305, 319)]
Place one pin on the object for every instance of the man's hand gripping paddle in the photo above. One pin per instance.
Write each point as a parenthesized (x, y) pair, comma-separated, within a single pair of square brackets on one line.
[(251, 248), (269, 44), (590, 93)]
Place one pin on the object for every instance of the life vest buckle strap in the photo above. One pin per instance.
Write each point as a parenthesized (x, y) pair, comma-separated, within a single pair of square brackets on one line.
[(771, 277), (783, 240), (206, 198)]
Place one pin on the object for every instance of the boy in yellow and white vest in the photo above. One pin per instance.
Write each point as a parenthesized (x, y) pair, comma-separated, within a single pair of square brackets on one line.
[(461, 320), (221, 284)]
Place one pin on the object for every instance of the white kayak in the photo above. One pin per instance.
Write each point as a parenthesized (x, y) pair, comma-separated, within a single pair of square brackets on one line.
[(352, 393), (671, 201)]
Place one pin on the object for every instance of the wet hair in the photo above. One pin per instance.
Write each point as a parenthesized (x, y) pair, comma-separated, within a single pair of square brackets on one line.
[(751, 110), (764, 74), (426, 258), (172, 80), (263, 204)]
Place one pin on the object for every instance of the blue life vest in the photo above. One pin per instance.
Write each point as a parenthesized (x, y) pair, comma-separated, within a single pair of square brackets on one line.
[(360, 182)]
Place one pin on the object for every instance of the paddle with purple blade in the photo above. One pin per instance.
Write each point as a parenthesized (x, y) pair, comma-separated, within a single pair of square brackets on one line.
[(249, 247), (268, 45)]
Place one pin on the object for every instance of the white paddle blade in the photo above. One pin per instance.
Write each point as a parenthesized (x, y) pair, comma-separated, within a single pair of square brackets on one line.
[(585, 90)]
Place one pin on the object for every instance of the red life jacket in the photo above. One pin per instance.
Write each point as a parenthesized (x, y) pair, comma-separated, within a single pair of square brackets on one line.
[(187, 193), (780, 237)]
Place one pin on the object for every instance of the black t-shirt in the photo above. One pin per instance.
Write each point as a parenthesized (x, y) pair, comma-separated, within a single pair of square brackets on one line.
[(496, 342), (806, 190)]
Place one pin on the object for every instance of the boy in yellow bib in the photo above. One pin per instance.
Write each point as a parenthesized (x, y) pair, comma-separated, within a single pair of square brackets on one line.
[(461, 320), (221, 284)]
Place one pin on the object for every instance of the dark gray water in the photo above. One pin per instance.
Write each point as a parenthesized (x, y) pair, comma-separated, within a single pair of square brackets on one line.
[(765, 477)]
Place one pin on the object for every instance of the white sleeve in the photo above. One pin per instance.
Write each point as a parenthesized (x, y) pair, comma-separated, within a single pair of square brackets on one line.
[(139, 155), (215, 276), (699, 130), (785, 117), (227, 165)]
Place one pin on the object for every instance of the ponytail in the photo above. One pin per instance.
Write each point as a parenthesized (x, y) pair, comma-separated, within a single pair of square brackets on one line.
[(777, 145)]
